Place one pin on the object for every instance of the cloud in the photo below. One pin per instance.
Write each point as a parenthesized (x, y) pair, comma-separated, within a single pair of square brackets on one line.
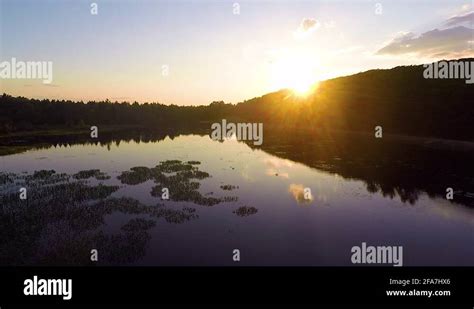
[(308, 24), (454, 42), (306, 27), (460, 19), (466, 7), (453, 39)]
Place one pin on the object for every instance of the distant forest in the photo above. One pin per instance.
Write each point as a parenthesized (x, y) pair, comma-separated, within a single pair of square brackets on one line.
[(399, 99)]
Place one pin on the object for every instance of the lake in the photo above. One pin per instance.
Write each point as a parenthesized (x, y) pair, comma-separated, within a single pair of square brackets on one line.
[(231, 195)]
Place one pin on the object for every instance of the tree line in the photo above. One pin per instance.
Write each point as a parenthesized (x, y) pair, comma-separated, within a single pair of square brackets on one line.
[(400, 100)]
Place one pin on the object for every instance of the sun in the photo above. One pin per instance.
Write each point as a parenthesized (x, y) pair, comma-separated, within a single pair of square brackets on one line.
[(302, 86), (295, 72)]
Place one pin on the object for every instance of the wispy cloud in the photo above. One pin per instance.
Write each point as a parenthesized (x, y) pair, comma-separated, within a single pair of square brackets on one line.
[(467, 19), (306, 27), (454, 41)]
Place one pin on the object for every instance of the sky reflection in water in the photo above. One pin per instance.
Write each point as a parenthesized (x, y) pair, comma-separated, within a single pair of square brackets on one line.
[(286, 229)]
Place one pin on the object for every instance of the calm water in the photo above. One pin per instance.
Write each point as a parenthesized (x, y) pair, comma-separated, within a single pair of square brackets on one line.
[(345, 209)]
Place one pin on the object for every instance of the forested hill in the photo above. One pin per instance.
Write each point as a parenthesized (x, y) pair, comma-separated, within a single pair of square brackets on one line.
[(400, 100)]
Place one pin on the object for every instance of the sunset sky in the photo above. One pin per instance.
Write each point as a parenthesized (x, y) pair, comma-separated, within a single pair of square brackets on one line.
[(214, 54)]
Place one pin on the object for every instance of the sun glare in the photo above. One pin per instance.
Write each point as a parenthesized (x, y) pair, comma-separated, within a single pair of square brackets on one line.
[(302, 87), (294, 72)]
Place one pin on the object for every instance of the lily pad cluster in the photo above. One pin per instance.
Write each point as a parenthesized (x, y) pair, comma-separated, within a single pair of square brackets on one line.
[(180, 178), (139, 224), (245, 211), (229, 187), (44, 177), (95, 173), (61, 221), (5, 178), (64, 215)]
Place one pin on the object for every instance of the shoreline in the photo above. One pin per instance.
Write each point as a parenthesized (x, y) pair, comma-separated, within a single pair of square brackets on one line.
[(21, 141)]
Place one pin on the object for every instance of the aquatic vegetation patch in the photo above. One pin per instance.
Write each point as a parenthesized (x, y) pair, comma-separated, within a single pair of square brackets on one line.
[(63, 215), (138, 224), (181, 172), (5, 178), (189, 209), (123, 248), (43, 174), (57, 196), (78, 192), (129, 205), (245, 211), (181, 179), (58, 224), (173, 215), (95, 173), (171, 166), (192, 174), (229, 199), (185, 192), (194, 162), (44, 177), (125, 205), (229, 187), (136, 175)]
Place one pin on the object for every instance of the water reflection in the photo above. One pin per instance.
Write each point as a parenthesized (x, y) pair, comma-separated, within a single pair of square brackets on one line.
[(395, 168), (108, 196), (301, 194)]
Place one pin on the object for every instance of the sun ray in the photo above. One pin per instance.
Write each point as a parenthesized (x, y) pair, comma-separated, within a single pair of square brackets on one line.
[(295, 72)]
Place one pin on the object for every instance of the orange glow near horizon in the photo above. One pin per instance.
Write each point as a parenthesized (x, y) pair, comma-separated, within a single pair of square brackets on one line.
[(295, 71)]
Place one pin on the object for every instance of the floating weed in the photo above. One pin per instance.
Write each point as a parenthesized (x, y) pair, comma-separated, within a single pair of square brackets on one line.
[(44, 177), (229, 199), (125, 205), (57, 196), (5, 178), (178, 177), (63, 215), (123, 248), (137, 175), (192, 174), (245, 211), (138, 224), (97, 174), (172, 215), (229, 187), (79, 192), (189, 209), (171, 166), (43, 174), (185, 192), (58, 224), (132, 206)]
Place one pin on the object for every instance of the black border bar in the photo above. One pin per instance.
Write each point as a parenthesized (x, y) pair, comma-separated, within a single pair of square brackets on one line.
[(240, 285)]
